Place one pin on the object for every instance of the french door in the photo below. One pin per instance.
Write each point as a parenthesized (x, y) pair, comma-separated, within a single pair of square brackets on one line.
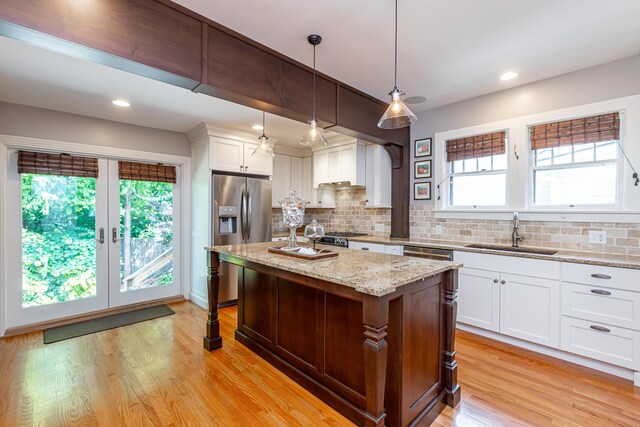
[(79, 244)]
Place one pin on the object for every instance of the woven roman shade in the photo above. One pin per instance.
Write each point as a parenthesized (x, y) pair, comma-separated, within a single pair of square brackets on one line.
[(57, 164), (476, 146), (605, 127), (147, 172)]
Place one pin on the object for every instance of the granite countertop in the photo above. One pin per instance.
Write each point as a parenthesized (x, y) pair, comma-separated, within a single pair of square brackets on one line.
[(367, 272), (580, 257)]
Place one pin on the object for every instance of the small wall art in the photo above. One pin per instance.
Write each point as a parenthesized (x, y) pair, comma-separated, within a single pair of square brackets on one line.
[(422, 169), (422, 147), (421, 191)]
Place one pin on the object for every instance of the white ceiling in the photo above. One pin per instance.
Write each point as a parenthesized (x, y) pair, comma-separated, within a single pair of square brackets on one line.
[(449, 50), (45, 79)]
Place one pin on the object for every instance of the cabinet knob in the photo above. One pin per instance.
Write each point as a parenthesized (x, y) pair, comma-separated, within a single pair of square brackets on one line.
[(246, 167), (503, 281), (495, 280), (240, 167)]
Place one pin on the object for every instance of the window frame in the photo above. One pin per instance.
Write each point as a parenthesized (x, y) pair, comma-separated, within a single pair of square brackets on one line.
[(447, 185), (532, 168)]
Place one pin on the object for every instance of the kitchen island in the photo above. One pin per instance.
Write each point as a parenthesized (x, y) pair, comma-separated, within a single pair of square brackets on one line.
[(370, 334)]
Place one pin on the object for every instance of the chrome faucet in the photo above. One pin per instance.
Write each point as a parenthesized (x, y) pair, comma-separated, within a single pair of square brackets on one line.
[(515, 237)]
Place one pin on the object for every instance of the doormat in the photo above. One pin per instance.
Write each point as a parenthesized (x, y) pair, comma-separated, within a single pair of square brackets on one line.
[(87, 327)]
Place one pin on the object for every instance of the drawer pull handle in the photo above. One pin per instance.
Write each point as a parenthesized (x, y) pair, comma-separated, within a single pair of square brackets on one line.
[(600, 292), (365, 249), (600, 276), (600, 328)]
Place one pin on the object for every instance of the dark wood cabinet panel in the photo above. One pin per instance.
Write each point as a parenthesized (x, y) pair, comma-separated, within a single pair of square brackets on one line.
[(235, 65), (257, 313), (297, 316), (144, 31), (343, 343)]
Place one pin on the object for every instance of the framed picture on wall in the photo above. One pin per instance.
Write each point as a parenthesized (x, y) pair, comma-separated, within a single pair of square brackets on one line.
[(422, 147), (421, 191), (422, 169)]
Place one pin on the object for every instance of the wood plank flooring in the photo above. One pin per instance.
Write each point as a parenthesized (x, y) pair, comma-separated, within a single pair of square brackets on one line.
[(156, 373)]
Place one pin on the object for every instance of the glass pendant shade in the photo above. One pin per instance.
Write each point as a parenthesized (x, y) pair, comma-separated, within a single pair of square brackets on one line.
[(398, 114), (314, 135), (264, 147)]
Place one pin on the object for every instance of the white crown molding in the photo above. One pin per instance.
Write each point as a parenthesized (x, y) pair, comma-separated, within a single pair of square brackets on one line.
[(199, 133)]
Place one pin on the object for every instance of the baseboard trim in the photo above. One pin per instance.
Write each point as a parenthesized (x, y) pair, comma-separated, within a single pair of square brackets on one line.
[(19, 330), (636, 379), (558, 354), (199, 299)]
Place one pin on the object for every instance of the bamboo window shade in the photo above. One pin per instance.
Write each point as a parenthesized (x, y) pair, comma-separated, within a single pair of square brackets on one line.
[(604, 127), (57, 164), (472, 147), (147, 172)]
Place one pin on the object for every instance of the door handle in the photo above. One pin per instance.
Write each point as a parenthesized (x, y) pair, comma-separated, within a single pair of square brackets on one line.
[(249, 216), (600, 276), (243, 215), (600, 328), (600, 292), (100, 238), (114, 235)]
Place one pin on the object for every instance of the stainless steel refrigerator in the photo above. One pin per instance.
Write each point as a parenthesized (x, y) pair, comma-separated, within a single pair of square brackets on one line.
[(241, 214)]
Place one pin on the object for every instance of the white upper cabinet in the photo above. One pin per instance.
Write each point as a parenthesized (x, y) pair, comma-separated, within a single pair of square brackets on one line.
[(378, 177), (230, 155), (281, 179), (342, 163), (296, 173)]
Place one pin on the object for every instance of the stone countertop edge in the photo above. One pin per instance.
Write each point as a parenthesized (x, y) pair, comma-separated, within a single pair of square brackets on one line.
[(579, 257), (367, 272)]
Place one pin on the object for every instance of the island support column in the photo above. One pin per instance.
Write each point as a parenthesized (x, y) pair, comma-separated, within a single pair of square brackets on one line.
[(450, 284), (375, 317), (212, 339)]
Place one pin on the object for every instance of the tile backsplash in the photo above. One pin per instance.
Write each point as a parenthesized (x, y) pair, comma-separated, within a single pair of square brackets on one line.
[(622, 238), (350, 214)]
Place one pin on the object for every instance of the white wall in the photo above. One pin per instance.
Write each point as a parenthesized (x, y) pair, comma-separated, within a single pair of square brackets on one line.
[(607, 81), (22, 120)]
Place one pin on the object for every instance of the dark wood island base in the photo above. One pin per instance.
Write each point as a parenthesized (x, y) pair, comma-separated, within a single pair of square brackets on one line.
[(378, 360)]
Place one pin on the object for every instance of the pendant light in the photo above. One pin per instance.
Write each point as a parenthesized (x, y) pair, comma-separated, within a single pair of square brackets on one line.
[(264, 147), (397, 114), (314, 134)]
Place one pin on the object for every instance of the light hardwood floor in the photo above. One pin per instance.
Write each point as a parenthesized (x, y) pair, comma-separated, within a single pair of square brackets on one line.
[(157, 373)]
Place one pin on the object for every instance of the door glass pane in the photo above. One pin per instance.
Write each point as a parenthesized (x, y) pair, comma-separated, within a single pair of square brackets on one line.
[(58, 239), (146, 232)]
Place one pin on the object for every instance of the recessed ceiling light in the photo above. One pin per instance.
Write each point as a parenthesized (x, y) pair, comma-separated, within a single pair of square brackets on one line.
[(257, 127), (121, 103), (509, 75), (414, 99)]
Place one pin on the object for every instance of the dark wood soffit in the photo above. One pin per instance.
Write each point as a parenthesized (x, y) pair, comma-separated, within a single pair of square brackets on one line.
[(170, 40), (235, 65)]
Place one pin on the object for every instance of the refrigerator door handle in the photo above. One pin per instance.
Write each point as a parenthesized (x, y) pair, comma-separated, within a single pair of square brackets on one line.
[(248, 216), (243, 215)]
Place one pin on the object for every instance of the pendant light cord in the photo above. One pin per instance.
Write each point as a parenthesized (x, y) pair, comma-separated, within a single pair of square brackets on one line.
[(313, 116), (263, 129), (395, 71)]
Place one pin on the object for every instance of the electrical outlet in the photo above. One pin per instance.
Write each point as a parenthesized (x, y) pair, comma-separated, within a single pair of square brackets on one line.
[(380, 228), (598, 237), (438, 229)]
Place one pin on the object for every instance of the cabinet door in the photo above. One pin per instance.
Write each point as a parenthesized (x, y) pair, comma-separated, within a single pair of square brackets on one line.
[(348, 163), (307, 182), (260, 164), (296, 177), (281, 179), (320, 168), (479, 298), (530, 308), (378, 177), (373, 247), (334, 159), (226, 155)]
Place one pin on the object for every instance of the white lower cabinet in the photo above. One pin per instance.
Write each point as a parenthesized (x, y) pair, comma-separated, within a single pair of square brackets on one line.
[(530, 308), (607, 343), (518, 305), (479, 298), (393, 249), (373, 247)]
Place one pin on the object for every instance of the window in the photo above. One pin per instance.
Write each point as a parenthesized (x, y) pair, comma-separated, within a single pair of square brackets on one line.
[(575, 162), (477, 167)]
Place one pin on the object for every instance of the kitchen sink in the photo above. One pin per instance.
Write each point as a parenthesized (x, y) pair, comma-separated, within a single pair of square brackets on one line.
[(512, 249)]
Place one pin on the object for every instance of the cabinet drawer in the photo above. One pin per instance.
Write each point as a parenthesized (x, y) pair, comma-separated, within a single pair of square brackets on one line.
[(509, 264), (611, 306), (373, 247), (613, 277), (609, 344)]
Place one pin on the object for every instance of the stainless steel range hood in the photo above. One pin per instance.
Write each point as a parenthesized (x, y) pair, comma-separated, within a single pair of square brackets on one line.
[(340, 185)]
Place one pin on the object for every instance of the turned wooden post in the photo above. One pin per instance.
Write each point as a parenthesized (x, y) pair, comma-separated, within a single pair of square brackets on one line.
[(375, 317), (450, 366), (212, 339)]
